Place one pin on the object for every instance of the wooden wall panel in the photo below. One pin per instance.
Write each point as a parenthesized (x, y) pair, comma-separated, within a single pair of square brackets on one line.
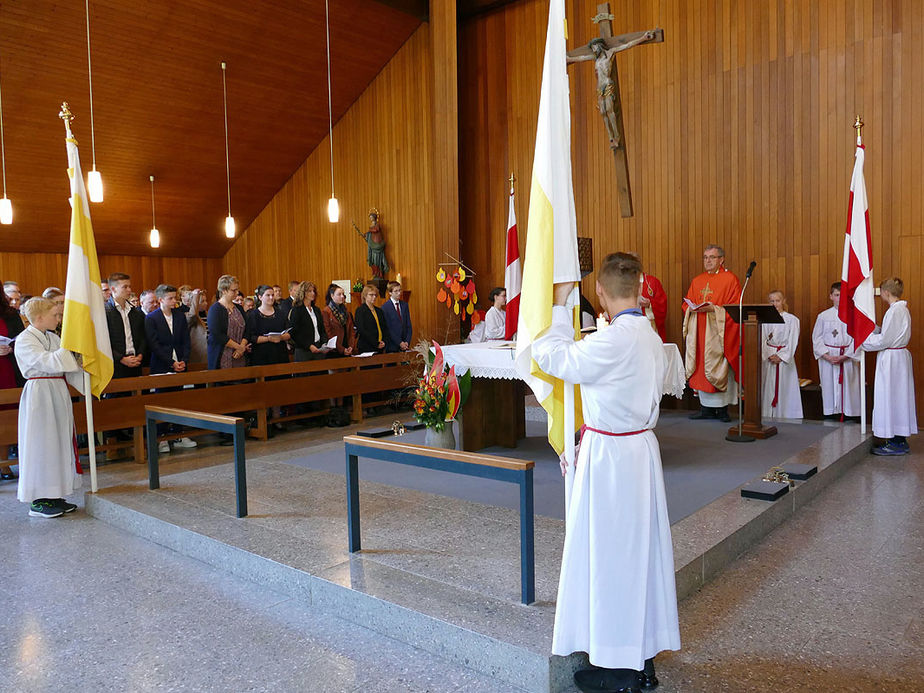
[(37, 271), (739, 133), (382, 158)]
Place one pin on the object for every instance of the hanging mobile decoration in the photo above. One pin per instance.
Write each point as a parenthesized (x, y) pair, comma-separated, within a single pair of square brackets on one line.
[(457, 290)]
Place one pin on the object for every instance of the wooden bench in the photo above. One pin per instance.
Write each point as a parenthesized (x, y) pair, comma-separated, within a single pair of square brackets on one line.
[(213, 422), (227, 391), (519, 472)]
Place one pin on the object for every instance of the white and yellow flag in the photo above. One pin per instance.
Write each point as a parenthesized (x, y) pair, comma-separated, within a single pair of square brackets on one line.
[(551, 231), (84, 330)]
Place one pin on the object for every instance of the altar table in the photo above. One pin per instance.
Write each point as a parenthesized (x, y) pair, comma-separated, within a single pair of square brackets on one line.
[(495, 413)]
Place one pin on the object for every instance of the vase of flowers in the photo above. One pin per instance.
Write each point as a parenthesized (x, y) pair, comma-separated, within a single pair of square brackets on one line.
[(438, 397)]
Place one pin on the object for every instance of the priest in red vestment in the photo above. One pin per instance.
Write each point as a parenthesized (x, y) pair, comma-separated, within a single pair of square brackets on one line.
[(652, 299), (711, 337)]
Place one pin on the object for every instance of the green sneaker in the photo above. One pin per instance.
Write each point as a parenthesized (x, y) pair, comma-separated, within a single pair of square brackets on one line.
[(43, 507)]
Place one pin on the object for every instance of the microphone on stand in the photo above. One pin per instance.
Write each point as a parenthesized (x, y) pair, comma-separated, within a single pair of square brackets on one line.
[(741, 438)]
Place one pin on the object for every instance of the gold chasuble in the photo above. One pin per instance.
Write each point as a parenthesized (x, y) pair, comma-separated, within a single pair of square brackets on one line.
[(716, 334)]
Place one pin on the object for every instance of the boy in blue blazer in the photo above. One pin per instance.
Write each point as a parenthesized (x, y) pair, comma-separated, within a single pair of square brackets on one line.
[(397, 320), (168, 340)]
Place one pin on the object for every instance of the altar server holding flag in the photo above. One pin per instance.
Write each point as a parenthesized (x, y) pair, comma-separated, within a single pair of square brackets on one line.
[(84, 329), (513, 275), (616, 593), (857, 305)]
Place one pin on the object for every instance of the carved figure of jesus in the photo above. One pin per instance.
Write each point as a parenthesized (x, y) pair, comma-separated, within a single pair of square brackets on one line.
[(607, 89)]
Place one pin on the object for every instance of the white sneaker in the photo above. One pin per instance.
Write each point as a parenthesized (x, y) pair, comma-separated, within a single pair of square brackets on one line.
[(184, 443), (163, 446)]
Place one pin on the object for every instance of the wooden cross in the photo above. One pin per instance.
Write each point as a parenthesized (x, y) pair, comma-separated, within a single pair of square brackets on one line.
[(603, 52)]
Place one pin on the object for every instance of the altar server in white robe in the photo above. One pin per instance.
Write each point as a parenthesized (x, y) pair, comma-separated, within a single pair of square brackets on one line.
[(894, 415), (838, 363), (617, 599), (47, 448), (780, 391)]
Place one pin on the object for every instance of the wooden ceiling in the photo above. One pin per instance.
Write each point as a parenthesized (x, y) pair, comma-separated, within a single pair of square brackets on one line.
[(157, 106)]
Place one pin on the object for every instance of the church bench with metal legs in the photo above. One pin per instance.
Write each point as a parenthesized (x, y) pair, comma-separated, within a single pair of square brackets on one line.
[(233, 425), (518, 472)]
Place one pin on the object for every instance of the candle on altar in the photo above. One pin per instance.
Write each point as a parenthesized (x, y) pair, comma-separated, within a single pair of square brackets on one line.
[(602, 322), (398, 278)]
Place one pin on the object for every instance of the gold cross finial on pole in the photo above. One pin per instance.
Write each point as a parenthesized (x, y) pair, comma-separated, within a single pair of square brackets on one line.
[(512, 180), (858, 125), (67, 117)]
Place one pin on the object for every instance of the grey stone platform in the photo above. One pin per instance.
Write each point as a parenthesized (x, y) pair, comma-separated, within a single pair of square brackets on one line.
[(438, 573)]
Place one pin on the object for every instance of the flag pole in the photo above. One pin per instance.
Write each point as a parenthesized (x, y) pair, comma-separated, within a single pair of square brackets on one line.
[(67, 117), (858, 125), (91, 433)]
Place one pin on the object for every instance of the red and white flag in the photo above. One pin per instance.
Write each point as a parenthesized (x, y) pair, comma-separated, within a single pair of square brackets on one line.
[(857, 307), (513, 275)]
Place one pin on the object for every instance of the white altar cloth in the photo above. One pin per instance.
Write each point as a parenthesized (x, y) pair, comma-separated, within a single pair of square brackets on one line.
[(496, 360)]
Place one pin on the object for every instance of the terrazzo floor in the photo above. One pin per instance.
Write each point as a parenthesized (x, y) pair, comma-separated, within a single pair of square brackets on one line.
[(830, 601)]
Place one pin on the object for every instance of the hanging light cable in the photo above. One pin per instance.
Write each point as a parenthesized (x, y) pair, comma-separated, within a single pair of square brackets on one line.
[(229, 220), (94, 180), (6, 207), (155, 234), (333, 206)]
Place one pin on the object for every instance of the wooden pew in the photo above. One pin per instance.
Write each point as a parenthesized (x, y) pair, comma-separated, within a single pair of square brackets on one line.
[(251, 388), (519, 472)]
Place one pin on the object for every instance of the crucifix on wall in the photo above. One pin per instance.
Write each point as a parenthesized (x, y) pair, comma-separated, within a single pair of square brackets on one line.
[(603, 52)]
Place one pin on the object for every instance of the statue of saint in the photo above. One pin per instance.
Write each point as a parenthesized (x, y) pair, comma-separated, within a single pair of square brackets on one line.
[(375, 241)]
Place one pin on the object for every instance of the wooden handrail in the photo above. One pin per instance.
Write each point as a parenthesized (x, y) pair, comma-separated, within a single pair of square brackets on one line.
[(201, 415), (441, 453)]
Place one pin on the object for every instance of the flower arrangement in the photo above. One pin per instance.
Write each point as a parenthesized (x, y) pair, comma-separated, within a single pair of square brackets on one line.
[(440, 393), (358, 285)]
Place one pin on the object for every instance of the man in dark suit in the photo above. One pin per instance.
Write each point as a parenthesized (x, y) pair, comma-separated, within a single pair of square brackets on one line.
[(398, 331), (126, 329), (168, 336)]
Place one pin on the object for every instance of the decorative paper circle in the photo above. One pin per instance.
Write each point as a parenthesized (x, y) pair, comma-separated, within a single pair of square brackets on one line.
[(448, 302), (470, 308), (471, 286), (441, 296), (464, 294), (440, 275), (456, 287), (476, 318), (461, 274), (456, 307), (447, 282)]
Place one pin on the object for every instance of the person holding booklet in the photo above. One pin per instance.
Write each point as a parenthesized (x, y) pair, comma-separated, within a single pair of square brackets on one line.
[(268, 328), (711, 337)]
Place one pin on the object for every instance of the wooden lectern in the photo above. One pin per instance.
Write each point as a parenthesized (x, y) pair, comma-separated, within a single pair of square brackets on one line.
[(749, 385)]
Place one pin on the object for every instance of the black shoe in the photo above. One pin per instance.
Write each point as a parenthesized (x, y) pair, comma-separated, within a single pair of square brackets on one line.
[(63, 505), (12, 452), (647, 680), (7, 476), (42, 507), (721, 413), (703, 413), (607, 680)]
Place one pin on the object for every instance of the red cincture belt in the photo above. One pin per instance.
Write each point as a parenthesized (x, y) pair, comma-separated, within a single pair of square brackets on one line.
[(586, 428), (48, 377), (840, 373), (776, 387)]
